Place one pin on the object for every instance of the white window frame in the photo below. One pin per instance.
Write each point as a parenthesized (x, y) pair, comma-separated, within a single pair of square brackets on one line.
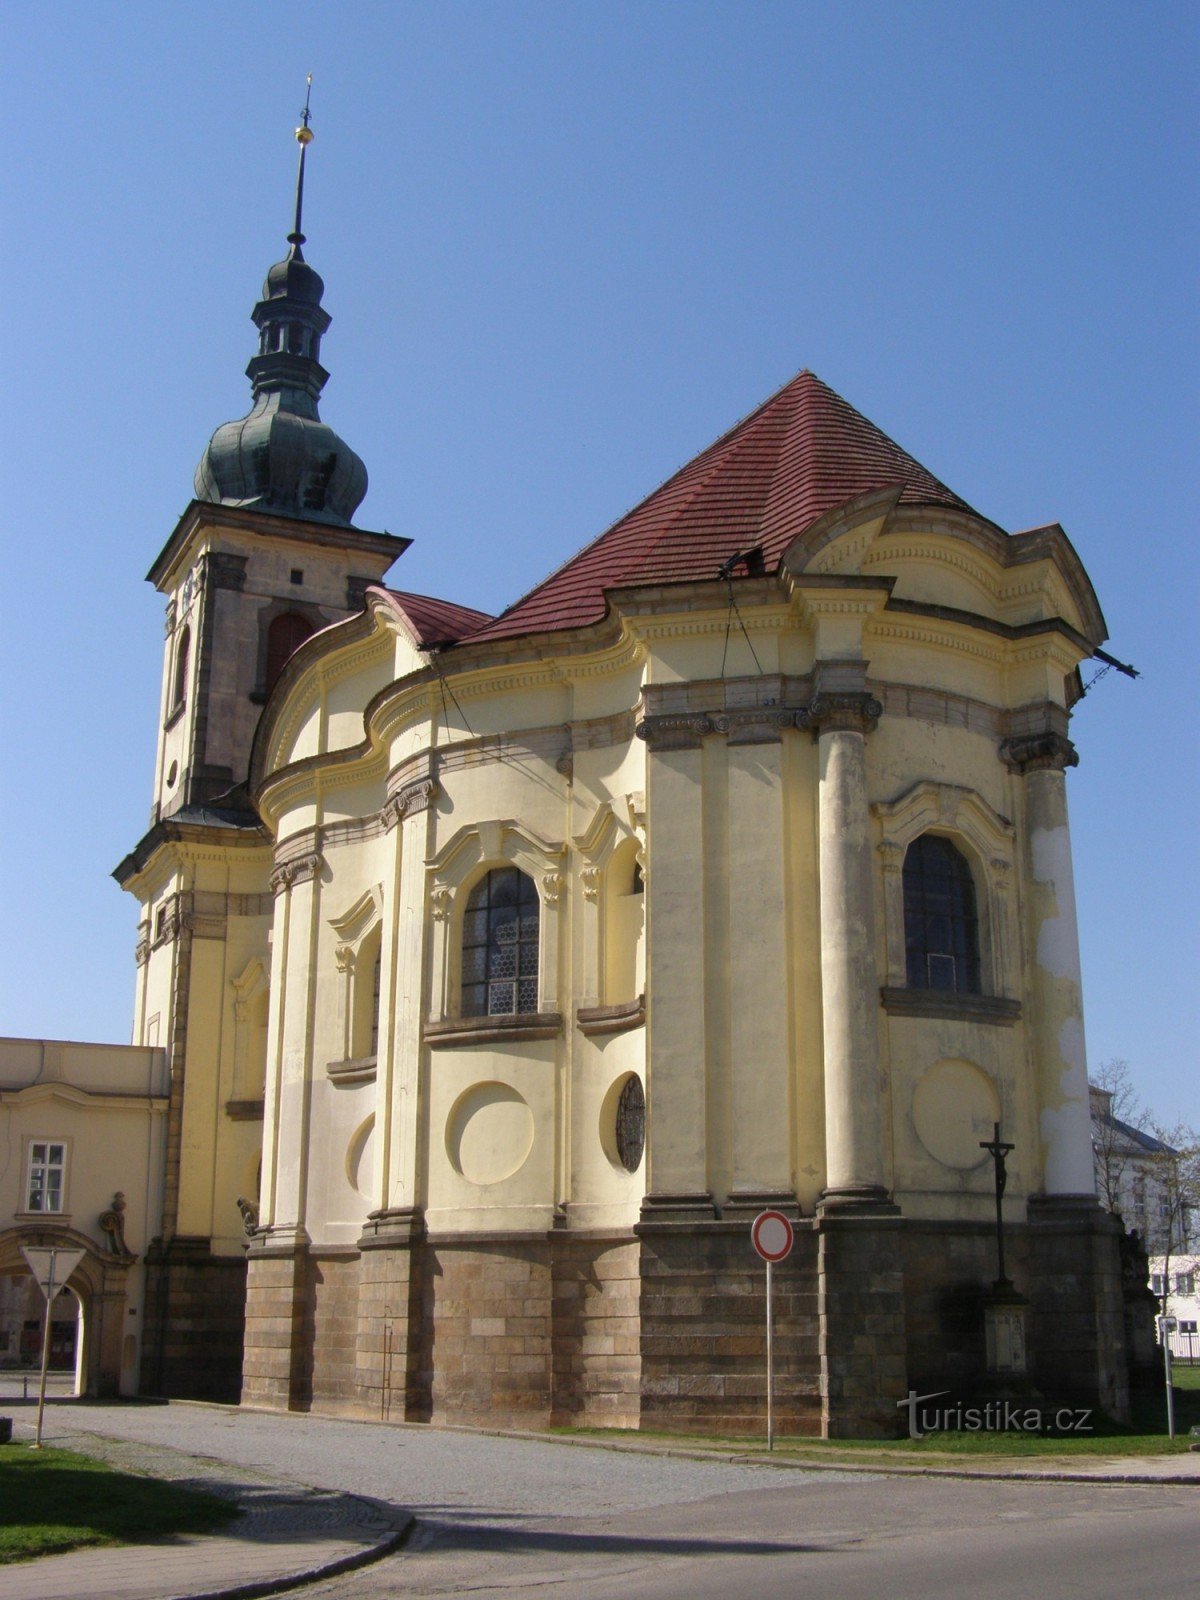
[(45, 1165)]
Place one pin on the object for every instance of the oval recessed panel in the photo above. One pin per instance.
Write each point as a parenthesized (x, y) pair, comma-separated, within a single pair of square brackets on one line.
[(360, 1159), (489, 1133), (955, 1105)]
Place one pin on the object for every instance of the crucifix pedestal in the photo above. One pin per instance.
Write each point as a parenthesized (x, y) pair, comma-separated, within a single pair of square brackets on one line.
[(1003, 1309)]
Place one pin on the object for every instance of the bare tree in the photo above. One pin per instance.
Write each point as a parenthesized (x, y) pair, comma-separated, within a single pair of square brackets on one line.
[(1117, 1118)]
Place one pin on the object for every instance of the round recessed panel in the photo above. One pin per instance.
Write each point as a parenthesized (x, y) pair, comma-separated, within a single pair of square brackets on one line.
[(489, 1133), (360, 1159), (955, 1105)]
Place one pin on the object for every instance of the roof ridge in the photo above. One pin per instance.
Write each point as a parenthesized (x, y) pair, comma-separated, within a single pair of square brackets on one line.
[(638, 505), (720, 463)]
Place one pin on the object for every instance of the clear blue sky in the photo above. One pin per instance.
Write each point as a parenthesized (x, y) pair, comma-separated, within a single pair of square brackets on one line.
[(565, 245)]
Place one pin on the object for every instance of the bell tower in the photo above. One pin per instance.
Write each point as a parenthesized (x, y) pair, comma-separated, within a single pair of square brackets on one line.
[(264, 555)]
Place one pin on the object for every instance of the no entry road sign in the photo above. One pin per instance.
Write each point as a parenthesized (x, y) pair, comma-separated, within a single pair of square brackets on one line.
[(772, 1235)]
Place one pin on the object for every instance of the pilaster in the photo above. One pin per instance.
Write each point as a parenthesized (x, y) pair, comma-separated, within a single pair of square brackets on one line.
[(1038, 757), (855, 1091)]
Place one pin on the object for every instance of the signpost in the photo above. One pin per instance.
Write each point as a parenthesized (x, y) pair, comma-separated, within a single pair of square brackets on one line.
[(1166, 1327), (51, 1267), (772, 1236)]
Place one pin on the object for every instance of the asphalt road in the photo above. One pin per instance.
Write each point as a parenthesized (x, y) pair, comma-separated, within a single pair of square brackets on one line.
[(512, 1518)]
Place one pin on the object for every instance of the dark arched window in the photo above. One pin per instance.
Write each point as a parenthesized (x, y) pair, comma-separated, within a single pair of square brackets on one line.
[(500, 946), (284, 637), (941, 933), (179, 685)]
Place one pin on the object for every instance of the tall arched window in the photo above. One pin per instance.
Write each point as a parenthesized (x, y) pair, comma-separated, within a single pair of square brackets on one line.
[(179, 684), (941, 931), (284, 637), (500, 946)]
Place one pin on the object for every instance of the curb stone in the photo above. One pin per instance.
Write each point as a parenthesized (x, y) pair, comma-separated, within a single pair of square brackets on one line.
[(239, 1485)]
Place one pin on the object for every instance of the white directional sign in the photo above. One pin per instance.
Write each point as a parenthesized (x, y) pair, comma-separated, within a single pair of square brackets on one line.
[(772, 1235), (50, 1266)]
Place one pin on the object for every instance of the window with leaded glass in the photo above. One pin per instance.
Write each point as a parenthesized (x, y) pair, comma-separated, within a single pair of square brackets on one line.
[(47, 1163), (500, 946), (941, 932)]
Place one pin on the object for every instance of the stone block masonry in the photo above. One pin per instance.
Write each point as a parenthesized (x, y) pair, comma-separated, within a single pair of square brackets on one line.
[(665, 1329)]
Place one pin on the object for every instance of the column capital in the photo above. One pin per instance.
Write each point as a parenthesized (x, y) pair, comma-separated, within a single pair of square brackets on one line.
[(299, 869), (674, 731), (406, 801), (1046, 751), (832, 711)]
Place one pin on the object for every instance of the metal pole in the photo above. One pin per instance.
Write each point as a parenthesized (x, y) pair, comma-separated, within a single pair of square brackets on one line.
[(50, 1293), (1166, 1339), (770, 1364)]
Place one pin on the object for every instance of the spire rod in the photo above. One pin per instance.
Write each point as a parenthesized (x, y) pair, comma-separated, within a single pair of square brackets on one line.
[(304, 137)]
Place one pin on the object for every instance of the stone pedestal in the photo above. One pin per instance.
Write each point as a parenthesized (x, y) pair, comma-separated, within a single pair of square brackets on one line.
[(1004, 1333)]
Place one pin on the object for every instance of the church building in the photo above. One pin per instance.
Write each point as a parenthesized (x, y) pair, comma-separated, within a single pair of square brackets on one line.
[(507, 966)]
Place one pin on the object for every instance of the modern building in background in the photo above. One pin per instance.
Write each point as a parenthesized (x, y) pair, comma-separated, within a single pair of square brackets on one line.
[(506, 966)]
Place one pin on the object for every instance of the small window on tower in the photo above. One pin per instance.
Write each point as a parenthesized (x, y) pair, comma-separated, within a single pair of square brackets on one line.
[(284, 637), (297, 575), (179, 683)]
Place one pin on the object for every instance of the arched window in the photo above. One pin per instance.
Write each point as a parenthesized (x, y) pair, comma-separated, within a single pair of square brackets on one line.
[(376, 988), (500, 946), (179, 686), (941, 932), (284, 637)]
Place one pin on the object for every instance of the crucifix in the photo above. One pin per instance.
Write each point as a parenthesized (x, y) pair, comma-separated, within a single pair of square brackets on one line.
[(998, 1153)]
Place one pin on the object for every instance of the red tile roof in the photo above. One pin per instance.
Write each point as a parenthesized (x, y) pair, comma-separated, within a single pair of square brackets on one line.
[(804, 452), (433, 621)]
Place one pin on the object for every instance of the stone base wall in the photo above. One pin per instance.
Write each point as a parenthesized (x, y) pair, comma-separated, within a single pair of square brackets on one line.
[(703, 1331), (863, 1343), (391, 1335), (596, 1350), (1077, 1306), (489, 1354), (949, 1268), (666, 1329), (195, 1319), (335, 1281), (278, 1367)]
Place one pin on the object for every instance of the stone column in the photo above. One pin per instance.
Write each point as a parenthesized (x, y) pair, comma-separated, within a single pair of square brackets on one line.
[(1054, 1014), (855, 1092)]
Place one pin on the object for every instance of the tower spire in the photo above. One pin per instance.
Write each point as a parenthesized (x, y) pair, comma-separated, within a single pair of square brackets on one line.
[(281, 457), (304, 137)]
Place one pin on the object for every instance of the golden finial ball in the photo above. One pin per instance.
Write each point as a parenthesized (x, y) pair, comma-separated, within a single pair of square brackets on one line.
[(304, 136)]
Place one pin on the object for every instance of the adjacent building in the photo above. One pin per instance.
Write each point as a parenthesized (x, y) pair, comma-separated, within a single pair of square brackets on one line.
[(85, 1138)]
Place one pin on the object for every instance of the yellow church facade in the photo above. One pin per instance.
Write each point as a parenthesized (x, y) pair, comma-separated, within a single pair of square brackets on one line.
[(508, 966)]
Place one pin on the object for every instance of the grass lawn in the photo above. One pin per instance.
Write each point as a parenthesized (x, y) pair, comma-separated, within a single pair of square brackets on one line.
[(54, 1500), (1145, 1435)]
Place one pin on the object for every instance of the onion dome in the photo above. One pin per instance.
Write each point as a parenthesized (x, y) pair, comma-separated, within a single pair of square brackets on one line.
[(281, 457)]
